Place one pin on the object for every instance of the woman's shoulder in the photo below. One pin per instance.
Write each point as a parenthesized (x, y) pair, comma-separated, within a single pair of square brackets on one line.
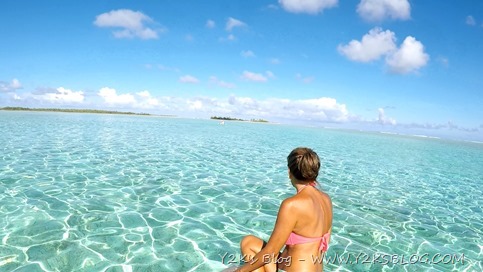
[(301, 201), (297, 202), (325, 195), (293, 203), (289, 202)]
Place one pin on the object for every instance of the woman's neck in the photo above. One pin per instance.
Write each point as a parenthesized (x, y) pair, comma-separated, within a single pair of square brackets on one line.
[(299, 186)]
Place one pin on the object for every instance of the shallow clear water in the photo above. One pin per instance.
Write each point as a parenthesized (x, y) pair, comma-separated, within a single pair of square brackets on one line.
[(132, 193)]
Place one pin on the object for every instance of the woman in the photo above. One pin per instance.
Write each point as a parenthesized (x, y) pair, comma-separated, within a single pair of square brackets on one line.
[(304, 223)]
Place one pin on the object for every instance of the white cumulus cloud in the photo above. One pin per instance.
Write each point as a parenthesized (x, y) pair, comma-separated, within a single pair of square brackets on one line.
[(408, 58), (250, 76), (307, 6), (375, 10), (247, 54), (210, 24), (228, 38), (144, 94), (317, 109), (141, 100), (323, 109), (131, 24), (304, 79), (373, 46), (62, 95), (168, 68), (232, 23), (10, 86), (195, 104), (188, 79), (470, 20), (111, 97), (146, 100), (383, 119)]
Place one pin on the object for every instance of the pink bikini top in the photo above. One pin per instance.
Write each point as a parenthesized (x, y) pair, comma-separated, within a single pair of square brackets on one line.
[(295, 239)]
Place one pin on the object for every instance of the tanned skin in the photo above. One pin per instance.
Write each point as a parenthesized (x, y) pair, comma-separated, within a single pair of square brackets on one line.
[(307, 213)]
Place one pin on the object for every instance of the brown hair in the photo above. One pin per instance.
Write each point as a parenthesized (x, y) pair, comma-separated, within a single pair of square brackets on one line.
[(304, 164)]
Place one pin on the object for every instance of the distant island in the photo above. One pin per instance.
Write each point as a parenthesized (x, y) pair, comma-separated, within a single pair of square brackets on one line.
[(236, 119), (71, 110)]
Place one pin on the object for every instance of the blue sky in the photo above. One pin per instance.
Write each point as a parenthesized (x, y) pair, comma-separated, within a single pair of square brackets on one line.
[(411, 67)]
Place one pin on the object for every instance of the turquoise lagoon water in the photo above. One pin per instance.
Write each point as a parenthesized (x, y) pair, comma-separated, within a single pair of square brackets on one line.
[(87, 192)]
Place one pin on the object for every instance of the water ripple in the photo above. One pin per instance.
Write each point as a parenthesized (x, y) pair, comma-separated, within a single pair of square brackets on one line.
[(126, 193)]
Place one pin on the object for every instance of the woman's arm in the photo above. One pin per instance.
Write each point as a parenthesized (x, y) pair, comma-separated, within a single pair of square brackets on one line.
[(284, 225)]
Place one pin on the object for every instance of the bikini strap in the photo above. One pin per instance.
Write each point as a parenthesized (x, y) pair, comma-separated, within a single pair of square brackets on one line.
[(313, 184)]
